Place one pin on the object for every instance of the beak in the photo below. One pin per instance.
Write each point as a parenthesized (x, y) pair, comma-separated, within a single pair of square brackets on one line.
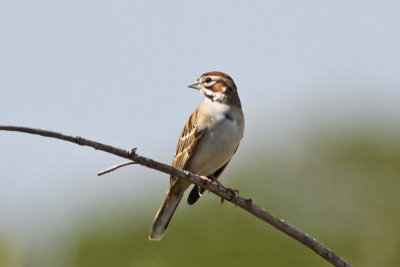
[(195, 85)]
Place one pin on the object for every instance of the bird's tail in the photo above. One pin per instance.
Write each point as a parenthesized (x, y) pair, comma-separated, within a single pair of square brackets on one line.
[(165, 213), (195, 194)]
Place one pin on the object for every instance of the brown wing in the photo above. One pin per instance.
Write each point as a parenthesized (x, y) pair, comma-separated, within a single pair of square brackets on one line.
[(187, 143)]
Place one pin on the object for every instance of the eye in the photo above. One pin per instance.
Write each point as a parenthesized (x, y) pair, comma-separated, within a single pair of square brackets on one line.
[(208, 79)]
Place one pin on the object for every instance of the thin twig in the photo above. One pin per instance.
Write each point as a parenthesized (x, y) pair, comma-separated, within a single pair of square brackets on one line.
[(113, 168), (246, 204)]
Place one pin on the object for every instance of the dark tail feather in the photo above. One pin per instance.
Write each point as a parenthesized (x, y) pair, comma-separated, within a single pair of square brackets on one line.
[(195, 194), (164, 215)]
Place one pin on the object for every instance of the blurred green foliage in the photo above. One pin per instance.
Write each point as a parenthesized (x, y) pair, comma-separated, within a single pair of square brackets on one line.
[(342, 189), (6, 256)]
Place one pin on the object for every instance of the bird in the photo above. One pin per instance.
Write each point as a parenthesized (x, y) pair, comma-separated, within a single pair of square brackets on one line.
[(207, 143)]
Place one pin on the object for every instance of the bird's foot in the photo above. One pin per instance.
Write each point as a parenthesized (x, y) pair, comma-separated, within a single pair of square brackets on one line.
[(206, 181), (234, 193)]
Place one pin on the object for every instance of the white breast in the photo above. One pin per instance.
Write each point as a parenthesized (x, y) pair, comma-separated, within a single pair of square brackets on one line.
[(220, 140)]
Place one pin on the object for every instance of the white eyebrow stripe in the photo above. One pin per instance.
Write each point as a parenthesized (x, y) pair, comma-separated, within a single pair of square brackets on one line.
[(209, 84)]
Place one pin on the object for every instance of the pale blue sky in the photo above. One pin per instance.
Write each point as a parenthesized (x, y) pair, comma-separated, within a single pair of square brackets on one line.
[(117, 71)]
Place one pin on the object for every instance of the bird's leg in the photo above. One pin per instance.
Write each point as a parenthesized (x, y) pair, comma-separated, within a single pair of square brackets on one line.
[(234, 192), (215, 179), (206, 181)]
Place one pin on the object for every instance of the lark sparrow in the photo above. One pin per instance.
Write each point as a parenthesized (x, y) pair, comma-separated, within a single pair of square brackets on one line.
[(206, 144)]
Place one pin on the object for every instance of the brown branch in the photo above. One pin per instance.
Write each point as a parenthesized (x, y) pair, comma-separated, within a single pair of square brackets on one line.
[(246, 204), (113, 168)]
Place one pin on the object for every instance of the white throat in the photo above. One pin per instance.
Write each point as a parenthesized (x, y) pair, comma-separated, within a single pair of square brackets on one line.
[(213, 96)]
